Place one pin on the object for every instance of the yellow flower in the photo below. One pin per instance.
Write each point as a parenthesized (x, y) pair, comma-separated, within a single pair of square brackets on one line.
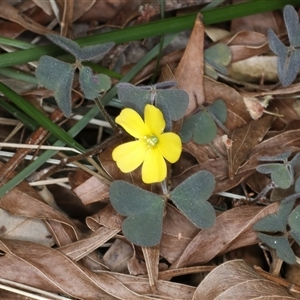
[(152, 146)]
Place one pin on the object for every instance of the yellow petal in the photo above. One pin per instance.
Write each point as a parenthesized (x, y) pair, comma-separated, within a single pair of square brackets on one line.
[(129, 156), (170, 146), (132, 122), (154, 168), (154, 119)]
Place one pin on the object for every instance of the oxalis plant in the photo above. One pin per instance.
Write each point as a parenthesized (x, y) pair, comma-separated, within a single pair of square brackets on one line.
[(280, 230), (147, 117)]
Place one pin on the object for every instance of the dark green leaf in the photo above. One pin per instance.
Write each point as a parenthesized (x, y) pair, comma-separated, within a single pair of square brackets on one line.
[(218, 56), (281, 245), (280, 157), (294, 223), (288, 57), (95, 52), (281, 175), (191, 195), (173, 103), (219, 110), (133, 97), (291, 20), (276, 222), (206, 129), (144, 212), (93, 85), (188, 128), (200, 126), (57, 75)]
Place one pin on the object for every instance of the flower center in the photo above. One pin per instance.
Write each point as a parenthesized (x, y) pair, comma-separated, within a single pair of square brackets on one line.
[(151, 141)]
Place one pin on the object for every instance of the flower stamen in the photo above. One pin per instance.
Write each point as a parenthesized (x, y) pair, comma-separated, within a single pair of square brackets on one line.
[(151, 141)]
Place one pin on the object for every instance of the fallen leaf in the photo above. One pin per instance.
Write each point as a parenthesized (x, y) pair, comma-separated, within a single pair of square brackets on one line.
[(244, 139), (237, 280), (189, 73), (229, 231)]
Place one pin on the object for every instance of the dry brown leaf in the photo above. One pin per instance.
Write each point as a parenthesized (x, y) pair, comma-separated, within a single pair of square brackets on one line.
[(8, 12), (32, 206), (260, 22), (189, 73), (66, 15), (246, 44), (44, 5), (117, 256), (238, 115), (151, 256), (24, 228), (107, 217), (232, 230), (178, 231), (236, 280), (244, 139), (88, 244), (89, 189), (255, 69), (45, 268)]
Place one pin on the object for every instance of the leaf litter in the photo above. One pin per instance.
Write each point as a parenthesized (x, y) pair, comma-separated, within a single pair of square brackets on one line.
[(89, 257)]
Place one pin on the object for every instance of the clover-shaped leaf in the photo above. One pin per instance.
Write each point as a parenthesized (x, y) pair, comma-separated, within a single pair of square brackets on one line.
[(288, 57), (172, 103), (294, 223), (281, 245), (201, 126), (219, 110), (87, 53), (57, 75), (144, 211), (92, 85), (217, 58), (191, 195), (280, 157), (281, 175), (276, 222)]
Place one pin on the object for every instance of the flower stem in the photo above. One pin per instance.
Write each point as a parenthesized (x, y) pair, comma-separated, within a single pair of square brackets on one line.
[(164, 187)]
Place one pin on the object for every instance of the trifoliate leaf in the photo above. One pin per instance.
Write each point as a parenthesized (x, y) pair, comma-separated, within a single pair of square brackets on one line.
[(144, 211), (191, 197), (275, 222), (57, 75), (172, 102), (288, 57), (281, 245), (219, 110), (87, 53), (92, 85), (281, 175)]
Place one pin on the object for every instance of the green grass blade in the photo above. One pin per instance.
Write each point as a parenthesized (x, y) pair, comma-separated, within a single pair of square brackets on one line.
[(19, 75), (39, 117), (161, 27)]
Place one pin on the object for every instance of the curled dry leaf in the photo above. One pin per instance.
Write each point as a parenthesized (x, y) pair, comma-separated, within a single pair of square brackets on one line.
[(244, 139), (118, 263), (178, 232), (32, 206), (237, 280), (245, 44), (90, 189), (45, 268), (189, 73), (229, 233), (7, 11)]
